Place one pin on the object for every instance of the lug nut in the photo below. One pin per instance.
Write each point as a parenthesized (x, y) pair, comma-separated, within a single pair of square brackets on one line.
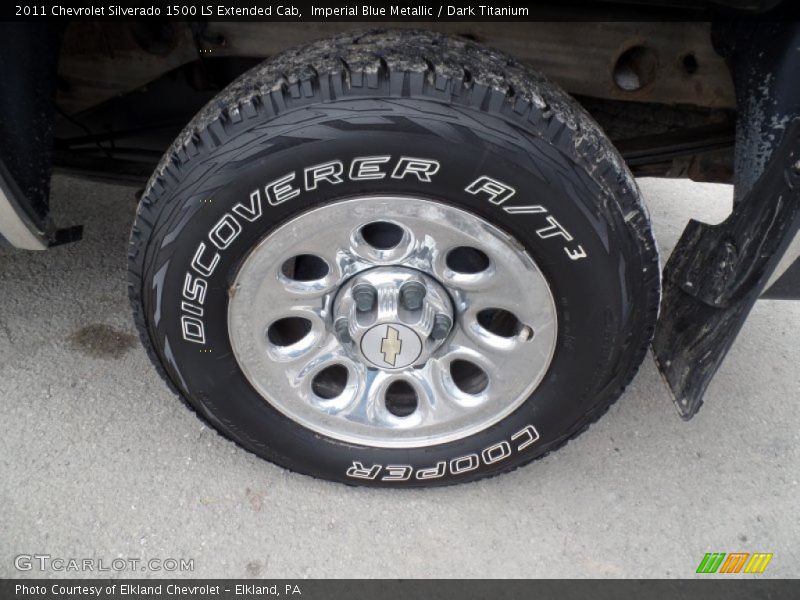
[(342, 330), (441, 326), (364, 295), (412, 294)]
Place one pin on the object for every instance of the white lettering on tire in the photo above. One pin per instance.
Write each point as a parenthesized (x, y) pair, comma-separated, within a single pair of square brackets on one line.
[(368, 167), (281, 190), (423, 168), (459, 465), (398, 473), (498, 193), (329, 171), (528, 432), (225, 231), (464, 464), (496, 453), (228, 228), (358, 471), (434, 472)]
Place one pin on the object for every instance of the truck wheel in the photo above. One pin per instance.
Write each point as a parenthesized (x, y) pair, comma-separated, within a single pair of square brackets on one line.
[(395, 258)]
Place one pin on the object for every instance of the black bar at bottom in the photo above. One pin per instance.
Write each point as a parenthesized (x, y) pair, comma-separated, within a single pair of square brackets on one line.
[(714, 587)]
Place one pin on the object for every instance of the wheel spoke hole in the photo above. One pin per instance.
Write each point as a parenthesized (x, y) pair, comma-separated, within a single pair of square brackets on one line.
[(467, 260), (382, 235), (304, 267), (468, 377), (501, 322), (288, 331), (330, 382), (401, 398)]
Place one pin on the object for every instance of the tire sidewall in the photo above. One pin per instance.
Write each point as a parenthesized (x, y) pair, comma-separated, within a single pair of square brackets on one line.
[(592, 294)]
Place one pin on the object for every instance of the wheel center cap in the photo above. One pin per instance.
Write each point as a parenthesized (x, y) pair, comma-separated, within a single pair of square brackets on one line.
[(392, 317), (391, 346)]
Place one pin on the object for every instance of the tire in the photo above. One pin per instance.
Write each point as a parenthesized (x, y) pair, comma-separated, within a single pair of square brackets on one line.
[(513, 154)]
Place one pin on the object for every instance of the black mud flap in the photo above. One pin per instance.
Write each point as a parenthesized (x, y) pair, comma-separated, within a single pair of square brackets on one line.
[(717, 272)]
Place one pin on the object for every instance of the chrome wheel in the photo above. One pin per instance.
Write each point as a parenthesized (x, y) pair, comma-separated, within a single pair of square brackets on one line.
[(392, 322)]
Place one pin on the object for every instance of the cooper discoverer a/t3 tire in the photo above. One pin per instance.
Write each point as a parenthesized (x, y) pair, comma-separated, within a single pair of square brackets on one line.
[(394, 258)]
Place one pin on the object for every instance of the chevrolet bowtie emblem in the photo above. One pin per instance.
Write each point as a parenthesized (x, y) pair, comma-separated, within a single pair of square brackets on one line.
[(391, 345)]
